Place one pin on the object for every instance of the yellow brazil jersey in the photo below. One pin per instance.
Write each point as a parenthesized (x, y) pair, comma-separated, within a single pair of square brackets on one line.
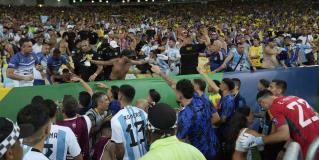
[(253, 52), (215, 99)]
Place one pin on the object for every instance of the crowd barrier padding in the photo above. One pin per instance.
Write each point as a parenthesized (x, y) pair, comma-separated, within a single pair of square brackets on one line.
[(302, 82)]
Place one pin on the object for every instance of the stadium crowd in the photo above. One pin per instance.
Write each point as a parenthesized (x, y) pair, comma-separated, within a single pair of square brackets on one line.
[(231, 37), (92, 43)]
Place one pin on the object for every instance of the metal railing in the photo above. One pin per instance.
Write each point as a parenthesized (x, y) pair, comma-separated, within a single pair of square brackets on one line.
[(312, 150), (293, 152)]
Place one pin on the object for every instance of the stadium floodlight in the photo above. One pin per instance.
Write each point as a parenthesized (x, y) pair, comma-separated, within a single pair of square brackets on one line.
[(74, 1), (100, 1), (107, 1), (153, 0), (92, 1), (123, 1), (146, 0), (59, 0), (138, 1)]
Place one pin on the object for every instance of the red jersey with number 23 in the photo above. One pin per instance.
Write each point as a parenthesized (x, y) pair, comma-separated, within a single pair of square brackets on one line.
[(299, 116)]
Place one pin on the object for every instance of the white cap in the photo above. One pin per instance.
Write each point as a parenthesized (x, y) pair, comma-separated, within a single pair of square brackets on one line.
[(113, 44)]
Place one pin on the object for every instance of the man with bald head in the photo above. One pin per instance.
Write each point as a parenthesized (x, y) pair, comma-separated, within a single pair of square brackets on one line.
[(216, 57)]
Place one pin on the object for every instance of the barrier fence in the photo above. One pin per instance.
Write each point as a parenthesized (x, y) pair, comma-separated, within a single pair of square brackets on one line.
[(302, 82)]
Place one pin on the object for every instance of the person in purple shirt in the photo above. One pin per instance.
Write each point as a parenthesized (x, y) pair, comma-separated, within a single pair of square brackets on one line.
[(55, 62), (22, 64), (80, 125)]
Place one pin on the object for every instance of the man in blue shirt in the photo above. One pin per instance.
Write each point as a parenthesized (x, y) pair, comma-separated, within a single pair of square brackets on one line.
[(195, 119), (43, 60), (112, 94), (226, 112), (239, 100), (55, 62), (114, 105), (22, 64)]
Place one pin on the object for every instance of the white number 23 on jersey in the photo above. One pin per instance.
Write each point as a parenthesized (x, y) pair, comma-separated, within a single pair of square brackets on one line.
[(303, 123)]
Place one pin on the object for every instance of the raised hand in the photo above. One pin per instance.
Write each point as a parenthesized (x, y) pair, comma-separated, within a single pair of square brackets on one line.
[(101, 85), (200, 70), (156, 69)]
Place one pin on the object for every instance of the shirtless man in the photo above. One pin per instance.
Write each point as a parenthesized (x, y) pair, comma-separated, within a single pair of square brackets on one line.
[(53, 39), (63, 45), (270, 52), (120, 66)]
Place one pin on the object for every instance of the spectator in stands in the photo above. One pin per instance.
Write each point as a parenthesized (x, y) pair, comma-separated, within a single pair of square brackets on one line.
[(189, 54), (10, 137), (62, 141), (270, 52), (63, 45), (240, 60), (173, 56), (37, 47), (127, 144), (161, 128), (55, 62), (86, 70), (52, 38), (43, 55), (256, 53), (238, 99), (39, 118), (21, 65), (80, 125), (307, 39), (216, 57)]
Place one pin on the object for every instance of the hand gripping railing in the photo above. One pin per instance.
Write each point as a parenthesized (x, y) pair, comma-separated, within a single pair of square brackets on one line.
[(293, 152), (312, 150)]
